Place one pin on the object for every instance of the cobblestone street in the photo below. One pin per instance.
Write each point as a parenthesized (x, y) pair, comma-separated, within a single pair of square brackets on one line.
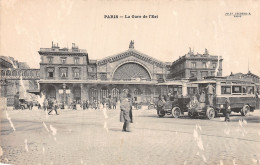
[(95, 137)]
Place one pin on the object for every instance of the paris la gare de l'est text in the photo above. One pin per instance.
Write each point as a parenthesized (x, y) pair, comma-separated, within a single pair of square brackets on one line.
[(129, 16)]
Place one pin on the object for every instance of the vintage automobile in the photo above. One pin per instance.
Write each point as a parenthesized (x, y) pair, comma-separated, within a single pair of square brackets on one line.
[(23, 104), (176, 99), (240, 92), (172, 106), (137, 102)]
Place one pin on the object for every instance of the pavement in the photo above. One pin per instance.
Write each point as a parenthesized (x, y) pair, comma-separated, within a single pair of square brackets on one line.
[(95, 137)]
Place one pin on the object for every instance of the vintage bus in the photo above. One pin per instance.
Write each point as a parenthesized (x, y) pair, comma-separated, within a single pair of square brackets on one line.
[(241, 93)]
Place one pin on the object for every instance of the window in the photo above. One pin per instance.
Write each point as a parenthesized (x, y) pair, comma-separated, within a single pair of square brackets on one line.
[(50, 59), (103, 76), (63, 72), (204, 65), (50, 72), (193, 65), (204, 73), (214, 65), (193, 74), (236, 89), (91, 69), (76, 72), (192, 90), (76, 60), (225, 90), (63, 60), (250, 90), (244, 89), (212, 73)]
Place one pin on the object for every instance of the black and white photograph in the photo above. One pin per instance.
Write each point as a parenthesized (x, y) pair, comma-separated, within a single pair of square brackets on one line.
[(120, 82)]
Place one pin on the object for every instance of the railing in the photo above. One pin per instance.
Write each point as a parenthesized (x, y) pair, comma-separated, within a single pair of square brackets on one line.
[(32, 74), (63, 50)]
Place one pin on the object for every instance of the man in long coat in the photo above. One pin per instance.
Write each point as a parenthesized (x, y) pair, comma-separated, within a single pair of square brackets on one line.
[(227, 109), (126, 111)]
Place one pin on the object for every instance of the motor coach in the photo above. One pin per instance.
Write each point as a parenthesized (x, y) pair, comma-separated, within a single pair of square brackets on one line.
[(241, 93)]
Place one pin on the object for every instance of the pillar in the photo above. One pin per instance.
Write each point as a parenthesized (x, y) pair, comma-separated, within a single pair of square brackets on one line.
[(218, 89), (184, 89)]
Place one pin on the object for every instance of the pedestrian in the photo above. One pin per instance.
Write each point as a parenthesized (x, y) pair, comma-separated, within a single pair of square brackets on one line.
[(30, 105), (227, 109), (87, 104), (202, 99), (54, 107), (125, 112), (210, 92), (160, 104), (74, 105), (114, 103), (16, 101), (84, 104), (45, 105)]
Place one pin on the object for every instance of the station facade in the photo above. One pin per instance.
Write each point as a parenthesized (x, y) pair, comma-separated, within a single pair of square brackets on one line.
[(68, 75)]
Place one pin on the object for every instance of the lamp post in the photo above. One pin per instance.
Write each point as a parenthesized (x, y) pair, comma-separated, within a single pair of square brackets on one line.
[(64, 94)]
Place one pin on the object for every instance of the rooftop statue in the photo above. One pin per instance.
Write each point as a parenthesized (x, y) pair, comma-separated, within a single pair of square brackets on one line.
[(131, 45)]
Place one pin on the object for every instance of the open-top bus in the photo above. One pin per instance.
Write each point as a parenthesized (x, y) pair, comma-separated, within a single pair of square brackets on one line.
[(241, 93)]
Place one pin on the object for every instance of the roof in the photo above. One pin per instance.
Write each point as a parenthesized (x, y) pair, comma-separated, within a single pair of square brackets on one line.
[(130, 52)]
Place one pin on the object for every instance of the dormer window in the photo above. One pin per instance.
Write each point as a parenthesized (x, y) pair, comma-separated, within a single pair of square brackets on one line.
[(214, 65), (76, 60), (193, 65), (204, 65), (63, 60), (50, 59)]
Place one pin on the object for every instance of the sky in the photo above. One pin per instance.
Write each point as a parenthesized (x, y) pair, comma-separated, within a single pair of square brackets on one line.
[(28, 25)]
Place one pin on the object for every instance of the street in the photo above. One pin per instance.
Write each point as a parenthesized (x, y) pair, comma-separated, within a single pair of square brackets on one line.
[(95, 137)]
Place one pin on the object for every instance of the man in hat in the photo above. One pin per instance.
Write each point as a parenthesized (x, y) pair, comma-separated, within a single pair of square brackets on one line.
[(210, 93), (227, 109), (126, 111)]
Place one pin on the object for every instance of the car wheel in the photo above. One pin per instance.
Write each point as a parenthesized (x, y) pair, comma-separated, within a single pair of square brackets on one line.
[(161, 113), (245, 110), (176, 112), (210, 113)]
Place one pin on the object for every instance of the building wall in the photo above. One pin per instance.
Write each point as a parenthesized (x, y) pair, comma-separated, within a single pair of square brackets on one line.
[(199, 65)]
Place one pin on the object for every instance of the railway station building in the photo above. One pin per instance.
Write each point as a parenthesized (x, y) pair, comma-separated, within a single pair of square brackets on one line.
[(69, 74)]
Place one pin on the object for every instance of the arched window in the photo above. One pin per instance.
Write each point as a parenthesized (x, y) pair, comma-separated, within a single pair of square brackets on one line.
[(137, 91), (14, 73), (8, 73)]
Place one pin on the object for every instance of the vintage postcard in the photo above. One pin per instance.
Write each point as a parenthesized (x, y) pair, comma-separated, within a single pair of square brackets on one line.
[(114, 82)]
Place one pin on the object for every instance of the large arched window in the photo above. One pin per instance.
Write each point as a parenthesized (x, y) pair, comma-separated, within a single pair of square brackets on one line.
[(131, 71)]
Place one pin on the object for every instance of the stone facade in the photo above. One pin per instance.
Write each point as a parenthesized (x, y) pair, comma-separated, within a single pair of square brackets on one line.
[(16, 77), (98, 79), (196, 66)]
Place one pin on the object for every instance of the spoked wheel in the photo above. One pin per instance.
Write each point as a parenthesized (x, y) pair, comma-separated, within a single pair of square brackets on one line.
[(161, 113), (210, 113), (191, 114), (176, 112), (245, 110)]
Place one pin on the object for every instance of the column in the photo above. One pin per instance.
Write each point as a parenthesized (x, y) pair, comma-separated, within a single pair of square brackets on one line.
[(184, 89), (218, 89), (64, 93), (81, 92)]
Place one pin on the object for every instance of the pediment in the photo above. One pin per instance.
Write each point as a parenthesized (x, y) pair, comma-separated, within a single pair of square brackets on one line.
[(128, 53)]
